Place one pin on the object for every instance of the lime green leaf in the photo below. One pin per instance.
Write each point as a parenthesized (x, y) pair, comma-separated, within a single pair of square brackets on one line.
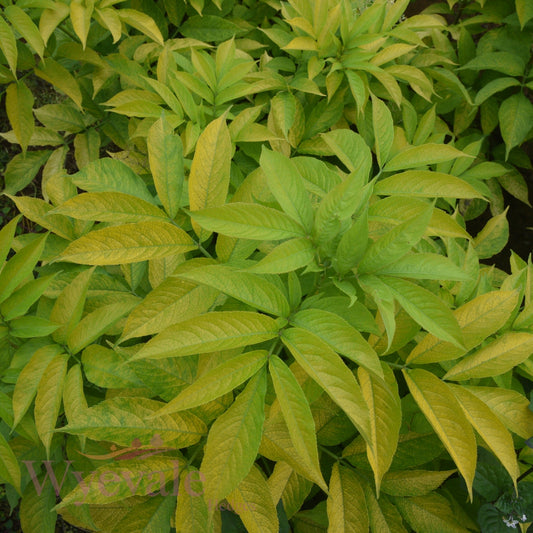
[(515, 117), (505, 62), (353, 244), (429, 513), (61, 79), (383, 129), (493, 237), (31, 326), (325, 367), (142, 22), (25, 26), (233, 441), (248, 221), (109, 18), (36, 510), (40, 212), (425, 183), (9, 467), (122, 420), (165, 153), (29, 379), (444, 413), (346, 505), (340, 335), (95, 324), (425, 266), (8, 45), (286, 257), (395, 243), (252, 501), (249, 288), (6, 238), (19, 108), (495, 358), (22, 168), (110, 206), (478, 319), (511, 407), (287, 186), (68, 308), (425, 154), (173, 301), (349, 147), (22, 299), (426, 308), (48, 399), (414, 482), (218, 330), (493, 87), (524, 9), (296, 412), (128, 243), (383, 516), (491, 429), (383, 401), (20, 266), (74, 401), (218, 381), (111, 175)]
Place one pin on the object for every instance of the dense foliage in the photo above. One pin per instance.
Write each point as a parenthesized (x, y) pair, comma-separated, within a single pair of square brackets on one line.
[(249, 300)]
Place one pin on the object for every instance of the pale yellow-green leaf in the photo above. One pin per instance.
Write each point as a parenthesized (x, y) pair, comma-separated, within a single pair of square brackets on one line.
[(296, 411), (495, 358), (210, 169), (9, 467), (29, 379), (414, 482), (22, 22), (124, 479), (218, 330), (68, 307), (286, 257), (443, 412), (429, 514), (74, 401), (116, 207), (173, 301), (346, 506), (56, 74), (192, 514), (340, 335), (325, 367), (218, 381), (122, 420), (252, 501), (96, 324), (511, 407), (48, 399), (493, 237), (233, 441), (128, 243), (383, 401), (80, 17), (424, 183), (490, 427), (19, 108), (478, 319), (165, 154), (142, 22), (425, 154), (251, 289), (8, 45)]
